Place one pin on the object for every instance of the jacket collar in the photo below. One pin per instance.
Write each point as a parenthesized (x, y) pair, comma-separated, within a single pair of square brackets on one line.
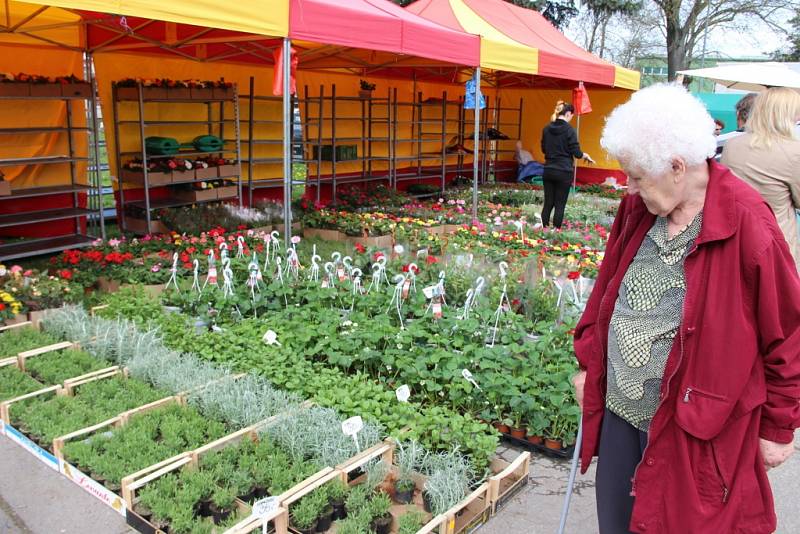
[(719, 208)]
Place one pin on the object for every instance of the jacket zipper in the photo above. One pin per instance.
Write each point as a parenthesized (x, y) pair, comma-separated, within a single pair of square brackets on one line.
[(666, 386), (719, 473), (690, 391)]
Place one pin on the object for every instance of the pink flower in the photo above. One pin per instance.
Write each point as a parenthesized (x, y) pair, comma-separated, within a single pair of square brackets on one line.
[(155, 268), (15, 269), (295, 239), (97, 242), (29, 272)]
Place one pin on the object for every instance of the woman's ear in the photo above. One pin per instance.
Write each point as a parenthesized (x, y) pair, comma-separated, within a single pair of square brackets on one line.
[(678, 168)]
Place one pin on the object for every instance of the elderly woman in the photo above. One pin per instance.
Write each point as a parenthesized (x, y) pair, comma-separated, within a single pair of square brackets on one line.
[(689, 347)]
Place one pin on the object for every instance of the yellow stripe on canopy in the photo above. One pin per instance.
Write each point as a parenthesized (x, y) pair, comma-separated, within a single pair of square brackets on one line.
[(498, 51), (249, 16), (626, 78)]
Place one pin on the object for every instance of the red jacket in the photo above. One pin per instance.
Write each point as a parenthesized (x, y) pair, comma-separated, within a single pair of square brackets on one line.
[(733, 373)]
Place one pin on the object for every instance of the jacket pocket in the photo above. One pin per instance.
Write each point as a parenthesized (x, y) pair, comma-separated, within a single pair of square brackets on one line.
[(702, 413)]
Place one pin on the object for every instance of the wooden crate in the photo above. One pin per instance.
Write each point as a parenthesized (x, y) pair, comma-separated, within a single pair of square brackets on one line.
[(5, 188), (22, 356), (383, 241), (224, 93), (19, 324), (509, 480), (227, 171), (207, 173), (182, 177), (5, 406), (35, 317), (206, 195), (179, 93), (202, 93), (127, 93), (155, 93)]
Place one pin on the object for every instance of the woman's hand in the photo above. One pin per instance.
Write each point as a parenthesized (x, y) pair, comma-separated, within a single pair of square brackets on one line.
[(587, 158), (578, 381), (773, 454)]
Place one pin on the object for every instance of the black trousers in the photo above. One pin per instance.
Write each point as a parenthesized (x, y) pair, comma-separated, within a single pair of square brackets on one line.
[(621, 449), (556, 191)]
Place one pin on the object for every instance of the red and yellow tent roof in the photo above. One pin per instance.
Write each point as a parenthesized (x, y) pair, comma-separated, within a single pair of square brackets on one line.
[(514, 39)]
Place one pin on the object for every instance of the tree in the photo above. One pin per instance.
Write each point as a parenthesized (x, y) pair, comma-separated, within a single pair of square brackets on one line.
[(686, 21), (792, 52), (600, 13)]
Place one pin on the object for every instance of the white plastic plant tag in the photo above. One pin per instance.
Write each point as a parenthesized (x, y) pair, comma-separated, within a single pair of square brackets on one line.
[(398, 249), (430, 291), (468, 377), (437, 310), (403, 393), (406, 288), (351, 427), (271, 338), (340, 274)]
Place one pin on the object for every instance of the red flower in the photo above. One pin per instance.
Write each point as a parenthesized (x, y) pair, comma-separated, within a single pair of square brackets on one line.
[(430, 260), (242, 227), (66, 274), (360, 248), (187, 265), (573, 275), (2, 306), (378, 255), (185, 257), (407, 268)]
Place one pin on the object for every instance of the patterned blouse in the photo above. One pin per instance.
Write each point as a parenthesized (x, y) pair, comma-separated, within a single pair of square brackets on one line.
[(646, 318)]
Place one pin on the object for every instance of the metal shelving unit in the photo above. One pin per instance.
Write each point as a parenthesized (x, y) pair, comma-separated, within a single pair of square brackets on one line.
[(212, 124), (507, 120), (85, 208)]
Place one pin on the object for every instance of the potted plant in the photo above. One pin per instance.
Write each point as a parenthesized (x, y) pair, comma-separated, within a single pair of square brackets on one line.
[(379, 507), (304, 516), (324, 509), (410, 455), (366, 89), (222, 504), (410, 522), (337, 493)]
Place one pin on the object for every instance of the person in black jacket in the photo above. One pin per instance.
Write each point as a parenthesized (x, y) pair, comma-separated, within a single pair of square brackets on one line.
[(560, 147)]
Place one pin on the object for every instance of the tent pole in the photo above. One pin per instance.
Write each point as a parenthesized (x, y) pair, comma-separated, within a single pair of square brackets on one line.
[(476, 134), (287, 142), (575, 168)]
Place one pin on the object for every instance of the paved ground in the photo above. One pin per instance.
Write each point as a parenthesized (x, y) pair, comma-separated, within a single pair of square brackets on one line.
[(37, 500)]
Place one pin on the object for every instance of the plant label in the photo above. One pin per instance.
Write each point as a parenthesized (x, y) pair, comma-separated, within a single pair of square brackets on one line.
[(340, 274), (262, 508), (431, 291), (403, 393), (469, 378), (406, 288), (437, 310), (271, 338), (352, 426)]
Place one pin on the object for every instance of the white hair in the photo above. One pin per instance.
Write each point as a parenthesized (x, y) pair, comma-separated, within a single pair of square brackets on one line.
[(657, 124)]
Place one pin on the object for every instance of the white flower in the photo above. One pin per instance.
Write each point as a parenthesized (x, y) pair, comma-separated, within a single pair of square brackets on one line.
[(271, 338)]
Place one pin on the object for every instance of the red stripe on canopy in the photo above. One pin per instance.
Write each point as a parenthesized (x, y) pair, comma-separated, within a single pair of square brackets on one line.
[(558, 56), (380, 25)]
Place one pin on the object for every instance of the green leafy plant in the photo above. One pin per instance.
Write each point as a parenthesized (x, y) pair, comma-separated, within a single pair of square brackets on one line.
[(410, 522), (15, 383)]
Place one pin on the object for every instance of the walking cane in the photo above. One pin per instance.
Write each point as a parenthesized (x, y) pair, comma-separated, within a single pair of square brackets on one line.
[(572, 473)]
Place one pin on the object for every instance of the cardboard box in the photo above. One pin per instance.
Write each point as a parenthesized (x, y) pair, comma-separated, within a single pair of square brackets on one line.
[(223, 93), (139, 226), (179, 93), (5, 188), (155, 93), (46, 89), (15, 89), (154, 179), (202, 93), (127, 93), (207, 195), (179, 177), (209, 173), (228, 171), (77, 90)]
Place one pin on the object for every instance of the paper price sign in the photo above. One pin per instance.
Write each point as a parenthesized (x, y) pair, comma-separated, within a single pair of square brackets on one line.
[(264, 507), (432, 291), (403, 393)]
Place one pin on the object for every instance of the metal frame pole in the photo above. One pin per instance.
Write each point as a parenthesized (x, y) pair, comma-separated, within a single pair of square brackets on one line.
[(287, 142), (95, 132), (475, 153)]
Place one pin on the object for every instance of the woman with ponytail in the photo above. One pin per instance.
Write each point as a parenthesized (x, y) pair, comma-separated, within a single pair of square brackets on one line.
[(560, 147)]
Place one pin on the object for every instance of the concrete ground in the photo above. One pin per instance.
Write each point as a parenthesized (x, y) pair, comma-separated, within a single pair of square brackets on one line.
[(37, 500)]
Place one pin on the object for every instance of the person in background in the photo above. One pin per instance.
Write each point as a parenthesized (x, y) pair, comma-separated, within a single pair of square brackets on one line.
[(767, 157), (528, 168), (689, 346), (719, 125), (743, 107), (560, 147)]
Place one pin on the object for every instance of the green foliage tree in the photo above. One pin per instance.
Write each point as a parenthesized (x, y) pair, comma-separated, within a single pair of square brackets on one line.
[(792, 50)]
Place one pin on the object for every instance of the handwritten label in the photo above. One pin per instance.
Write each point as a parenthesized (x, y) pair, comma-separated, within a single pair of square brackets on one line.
[(406, 288), (264, 507), (437, 310), (403, 393)]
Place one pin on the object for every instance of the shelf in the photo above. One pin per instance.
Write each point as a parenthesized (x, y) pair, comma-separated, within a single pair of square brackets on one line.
[(172, 123), (418, 140), (44, 191), (174, 202), (42, 160), (178, 155), (34, 247), (179, 100), (55, 97), (17, 219), (269, 183), (35, 130)]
